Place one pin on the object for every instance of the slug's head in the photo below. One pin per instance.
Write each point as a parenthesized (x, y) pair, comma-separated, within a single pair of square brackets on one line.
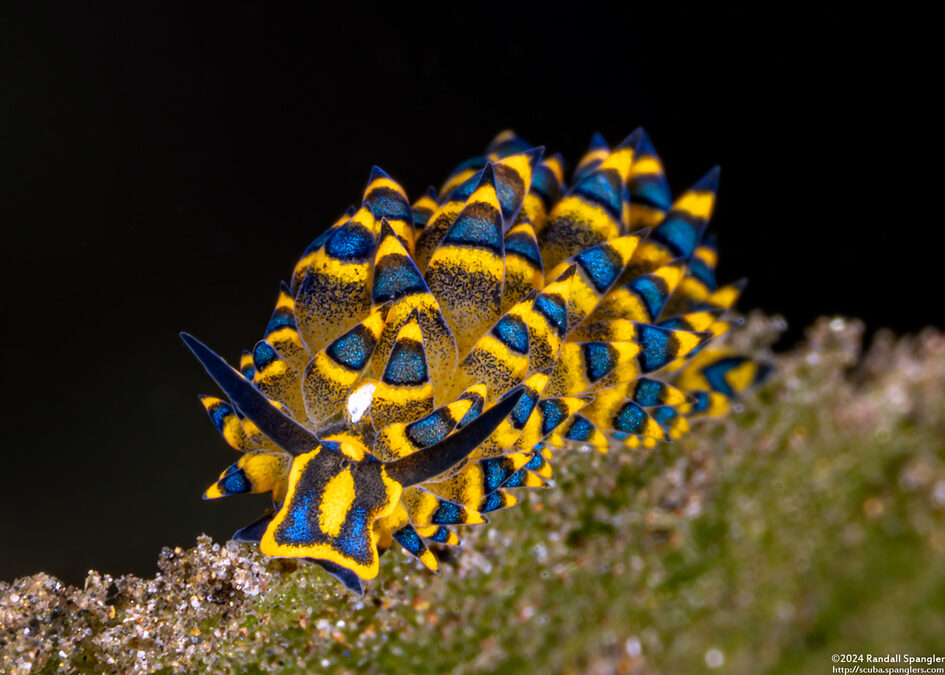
[(335, 491)]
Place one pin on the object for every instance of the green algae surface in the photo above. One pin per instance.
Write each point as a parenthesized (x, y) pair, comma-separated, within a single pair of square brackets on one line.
[(810, 522)]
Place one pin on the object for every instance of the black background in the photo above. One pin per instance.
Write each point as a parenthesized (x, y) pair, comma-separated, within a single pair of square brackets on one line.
[(165, 167)]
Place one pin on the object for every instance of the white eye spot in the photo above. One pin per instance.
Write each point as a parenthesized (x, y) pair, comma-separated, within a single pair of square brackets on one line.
[(360, 401)]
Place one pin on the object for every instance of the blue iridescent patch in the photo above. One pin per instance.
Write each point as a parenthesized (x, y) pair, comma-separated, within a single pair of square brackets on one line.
[(702, 401), (651, 293), (477, 227), (521, 244), (517, 479), (630, 419), (652, 191), (352, 241), (406, 366), (218, 414), (524, 408), (553, 310), (410, 540), (428, 430), (552, 414), (441, 536), (420, 218), (508, 195), (656, 347), (350, 350), (581, 430), (388, 203), (535, 463), (396, 277), (583, 171), (679, 235), (297, 526), (716, 372), (513, 333), (703, 273), (474, 410), (235, 483), (354, 540), (602, 188), (448, 513), (264, 354), (648, 392), (602, 264), (494, 473), (601, 358), (665, 414), (544, 182), (280, 319), (492, 502)]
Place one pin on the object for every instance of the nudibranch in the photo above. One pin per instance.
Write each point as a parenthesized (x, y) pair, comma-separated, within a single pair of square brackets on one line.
[(427, 360)]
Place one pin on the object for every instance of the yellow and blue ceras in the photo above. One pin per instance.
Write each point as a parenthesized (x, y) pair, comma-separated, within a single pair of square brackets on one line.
[(426, 359)]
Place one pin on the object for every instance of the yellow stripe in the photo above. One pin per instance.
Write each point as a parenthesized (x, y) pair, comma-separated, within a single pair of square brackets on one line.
[(271, 548), (520, 165), (302, 266), (620, 159), (410, 331), (492, 346), (382, 182), (213, 492), (707, 255), (532, 480), (365, 217), (671, 274), (283, 335), (473, 260), (274, 369), (333, 373), (429, 560), (264, 470), (341, 271), (233, 433), (554, 163), (650, 255), (534, 211), (687, 341), (725, 296), (699, 204), (648, 164), (336, 502), (741, 377)]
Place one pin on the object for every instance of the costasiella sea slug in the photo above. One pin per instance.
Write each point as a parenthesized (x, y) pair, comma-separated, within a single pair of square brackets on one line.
[(427, 360)]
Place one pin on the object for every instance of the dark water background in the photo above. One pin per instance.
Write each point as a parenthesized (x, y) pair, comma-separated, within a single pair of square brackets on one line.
[(165, 167)]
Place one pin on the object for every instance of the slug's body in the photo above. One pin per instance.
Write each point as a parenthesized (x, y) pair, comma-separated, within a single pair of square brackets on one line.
[(425, 360)]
